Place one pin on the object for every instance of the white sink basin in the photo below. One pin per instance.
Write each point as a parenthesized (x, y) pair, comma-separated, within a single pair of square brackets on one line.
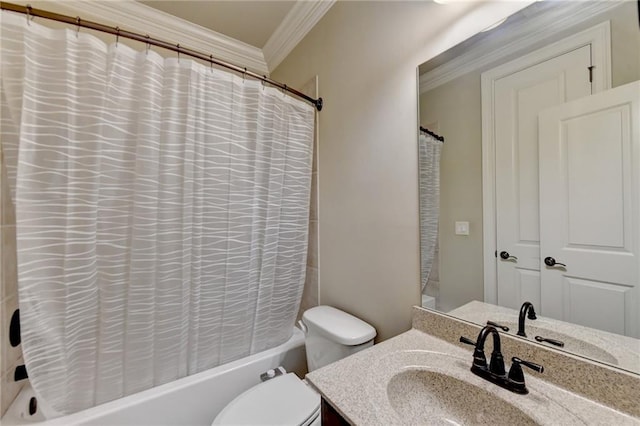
[(425, 387), (429, 397)]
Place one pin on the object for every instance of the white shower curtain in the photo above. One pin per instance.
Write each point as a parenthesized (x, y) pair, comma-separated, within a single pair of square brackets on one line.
[(429, 149), (162, 212)]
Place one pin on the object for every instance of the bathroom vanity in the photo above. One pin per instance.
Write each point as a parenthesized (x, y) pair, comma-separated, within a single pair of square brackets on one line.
[(423, 377)]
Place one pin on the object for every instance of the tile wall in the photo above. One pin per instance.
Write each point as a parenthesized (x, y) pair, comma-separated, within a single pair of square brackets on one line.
[(311, 289)]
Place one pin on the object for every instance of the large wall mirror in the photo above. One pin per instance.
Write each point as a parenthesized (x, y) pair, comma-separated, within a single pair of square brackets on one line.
[(530, 178)]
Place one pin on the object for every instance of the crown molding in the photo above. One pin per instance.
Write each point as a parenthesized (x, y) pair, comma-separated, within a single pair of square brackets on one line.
[(302, 17), (522, 37), (134, 16)]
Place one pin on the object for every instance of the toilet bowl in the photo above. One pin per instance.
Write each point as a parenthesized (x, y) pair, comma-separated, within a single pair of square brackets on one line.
[(330, 335)]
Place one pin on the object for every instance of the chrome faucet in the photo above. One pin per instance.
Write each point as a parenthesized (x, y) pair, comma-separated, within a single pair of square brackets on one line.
[(495, 372), (525, 309)]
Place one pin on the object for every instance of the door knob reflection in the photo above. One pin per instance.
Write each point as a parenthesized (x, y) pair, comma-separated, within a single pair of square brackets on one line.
[(504, 255), (550, 261)]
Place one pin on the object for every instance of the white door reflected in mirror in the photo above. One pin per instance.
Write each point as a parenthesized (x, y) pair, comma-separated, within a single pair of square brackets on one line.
[(590, 207)]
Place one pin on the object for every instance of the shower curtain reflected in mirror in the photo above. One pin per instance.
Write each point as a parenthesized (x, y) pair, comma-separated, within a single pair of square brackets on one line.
[(429, 149), (162, 212)]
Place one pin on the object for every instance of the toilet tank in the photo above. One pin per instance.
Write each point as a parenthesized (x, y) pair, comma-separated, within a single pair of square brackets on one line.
[(332, 334)]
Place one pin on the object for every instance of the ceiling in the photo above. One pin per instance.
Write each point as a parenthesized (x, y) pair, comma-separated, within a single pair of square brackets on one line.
[(252, 22), (531, 28)]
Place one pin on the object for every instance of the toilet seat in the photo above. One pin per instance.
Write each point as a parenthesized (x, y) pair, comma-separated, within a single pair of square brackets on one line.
[(284, 400)]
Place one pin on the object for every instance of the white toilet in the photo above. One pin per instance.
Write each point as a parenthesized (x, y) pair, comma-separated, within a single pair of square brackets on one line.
[(331, 334)]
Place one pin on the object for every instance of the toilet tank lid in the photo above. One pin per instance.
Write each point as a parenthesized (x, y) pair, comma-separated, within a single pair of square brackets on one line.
[(338, 325)]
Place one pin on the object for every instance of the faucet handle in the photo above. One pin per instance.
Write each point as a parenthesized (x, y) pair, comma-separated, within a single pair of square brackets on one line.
[(467, 341), (531, 365), (479, 360), (515, 372), (500, 326), (552, 341), (516, 376)]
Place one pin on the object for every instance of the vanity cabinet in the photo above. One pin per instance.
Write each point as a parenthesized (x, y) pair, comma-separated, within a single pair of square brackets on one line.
[(330, 416)]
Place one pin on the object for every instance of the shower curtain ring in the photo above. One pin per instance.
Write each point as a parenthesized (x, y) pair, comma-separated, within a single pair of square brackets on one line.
[(244, 74), (29, 17), (284, 90), (78, 24), (148, 44), (264, 78), (211, 62), (178, 47), (117, 35)]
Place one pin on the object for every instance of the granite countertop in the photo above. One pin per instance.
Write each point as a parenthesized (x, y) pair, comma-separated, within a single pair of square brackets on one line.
[(366, 390), (615, 349)]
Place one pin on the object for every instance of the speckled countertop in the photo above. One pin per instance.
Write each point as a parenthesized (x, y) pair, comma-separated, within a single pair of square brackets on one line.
[(415, 378), (620, 351)]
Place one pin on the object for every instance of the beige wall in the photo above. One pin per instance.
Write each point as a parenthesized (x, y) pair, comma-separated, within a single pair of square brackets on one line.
[(310, 294), (456, 107), (366, 54), (625, 44)]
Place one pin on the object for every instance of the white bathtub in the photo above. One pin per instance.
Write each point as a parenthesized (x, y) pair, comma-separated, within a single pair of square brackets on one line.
[(192, 400)]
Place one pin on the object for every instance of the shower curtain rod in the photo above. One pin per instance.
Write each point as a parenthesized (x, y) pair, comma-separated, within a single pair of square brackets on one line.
[(430, 133), (31, 12)]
